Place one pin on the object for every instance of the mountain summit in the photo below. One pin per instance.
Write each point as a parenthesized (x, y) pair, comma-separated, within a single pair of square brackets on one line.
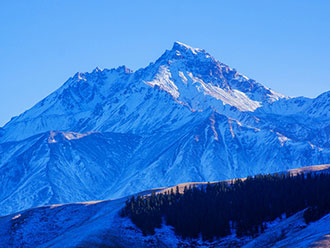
[(193, 73), (184, 117), (191, 76)]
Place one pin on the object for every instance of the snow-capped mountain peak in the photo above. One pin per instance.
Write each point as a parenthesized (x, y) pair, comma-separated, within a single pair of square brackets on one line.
[(185, 117), (181, 47), (181, 51), (192, 76)]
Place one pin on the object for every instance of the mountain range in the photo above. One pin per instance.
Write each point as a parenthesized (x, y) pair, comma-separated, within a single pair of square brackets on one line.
[(185, 117)]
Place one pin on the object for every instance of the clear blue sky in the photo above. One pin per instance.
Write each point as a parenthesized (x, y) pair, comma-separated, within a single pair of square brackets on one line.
[(284, 44)]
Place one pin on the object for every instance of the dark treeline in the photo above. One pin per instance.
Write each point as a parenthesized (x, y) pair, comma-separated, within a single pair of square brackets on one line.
[(214, 210)]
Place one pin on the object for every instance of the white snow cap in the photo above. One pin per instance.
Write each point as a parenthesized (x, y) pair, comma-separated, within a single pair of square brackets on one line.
[(181, 47)]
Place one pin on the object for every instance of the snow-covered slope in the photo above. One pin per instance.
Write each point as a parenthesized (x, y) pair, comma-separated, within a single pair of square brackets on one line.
[(62, 167), (97, 224), (185, 117)]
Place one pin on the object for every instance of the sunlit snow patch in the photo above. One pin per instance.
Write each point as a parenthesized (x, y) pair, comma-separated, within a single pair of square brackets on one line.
[(55, 136), (163, 80)]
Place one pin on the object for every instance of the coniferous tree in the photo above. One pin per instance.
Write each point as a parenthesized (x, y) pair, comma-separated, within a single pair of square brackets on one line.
[(214, 209)]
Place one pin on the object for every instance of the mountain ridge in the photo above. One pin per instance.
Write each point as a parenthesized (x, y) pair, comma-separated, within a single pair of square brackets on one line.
[(184, 117), (84, 86)]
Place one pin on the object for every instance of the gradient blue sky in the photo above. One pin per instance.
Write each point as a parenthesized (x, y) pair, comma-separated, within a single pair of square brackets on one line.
[(283, 44)]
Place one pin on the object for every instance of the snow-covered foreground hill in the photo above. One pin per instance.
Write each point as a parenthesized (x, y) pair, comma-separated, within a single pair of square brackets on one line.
[(97, 224), (185, 117)]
